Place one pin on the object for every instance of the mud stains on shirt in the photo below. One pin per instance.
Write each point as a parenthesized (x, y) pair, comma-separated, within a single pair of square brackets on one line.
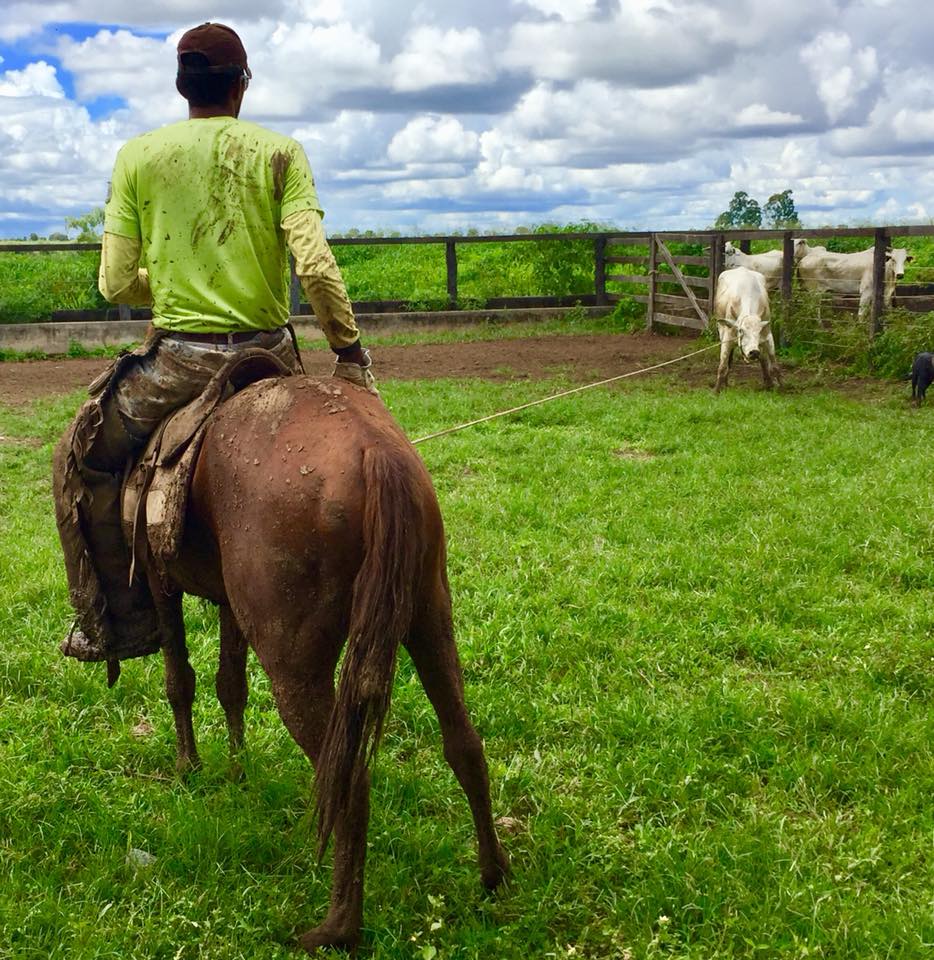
[(280, 166), (207, 198)]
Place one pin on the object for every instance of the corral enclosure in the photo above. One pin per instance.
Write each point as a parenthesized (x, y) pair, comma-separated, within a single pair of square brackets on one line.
[(696, 637)]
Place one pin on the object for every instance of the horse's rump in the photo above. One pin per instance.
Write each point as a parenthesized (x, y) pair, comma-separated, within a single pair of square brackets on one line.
[(318, 503)]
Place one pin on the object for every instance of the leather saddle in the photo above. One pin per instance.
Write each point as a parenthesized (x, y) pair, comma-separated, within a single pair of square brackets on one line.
[(155, 492)]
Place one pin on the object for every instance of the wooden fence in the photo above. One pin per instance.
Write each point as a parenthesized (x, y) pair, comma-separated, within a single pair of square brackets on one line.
[(676, 287), (674, 296)]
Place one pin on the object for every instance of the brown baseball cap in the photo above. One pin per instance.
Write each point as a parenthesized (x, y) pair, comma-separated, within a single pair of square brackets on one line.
[(218, 44)]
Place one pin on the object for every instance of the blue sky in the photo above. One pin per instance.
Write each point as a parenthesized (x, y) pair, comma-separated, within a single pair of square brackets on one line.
[(500, 113)]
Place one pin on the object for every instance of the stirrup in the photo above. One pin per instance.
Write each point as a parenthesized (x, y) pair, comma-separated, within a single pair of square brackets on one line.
[(82, 647)]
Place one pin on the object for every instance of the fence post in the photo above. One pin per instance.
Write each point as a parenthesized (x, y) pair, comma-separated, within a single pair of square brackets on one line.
[(878, 279), (716, 268), (295, 301), (599, 270), (451, 259), (788, 266), (650, 307), (745, 246)]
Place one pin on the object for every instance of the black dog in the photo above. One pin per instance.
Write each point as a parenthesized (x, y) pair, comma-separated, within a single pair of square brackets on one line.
[(922, 376)]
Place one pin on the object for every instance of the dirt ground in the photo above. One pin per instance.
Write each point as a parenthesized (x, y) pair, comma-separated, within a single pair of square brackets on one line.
[(580, 358)]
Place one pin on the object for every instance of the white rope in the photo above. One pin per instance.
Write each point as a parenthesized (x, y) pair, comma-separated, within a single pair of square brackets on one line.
[(564, 393)]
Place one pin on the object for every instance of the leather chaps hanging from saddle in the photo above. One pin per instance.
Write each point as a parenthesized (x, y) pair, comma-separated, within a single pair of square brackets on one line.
[(121, 500)]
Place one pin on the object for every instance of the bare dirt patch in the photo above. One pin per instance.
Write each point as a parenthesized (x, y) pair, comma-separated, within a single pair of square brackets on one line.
[(578, 358)]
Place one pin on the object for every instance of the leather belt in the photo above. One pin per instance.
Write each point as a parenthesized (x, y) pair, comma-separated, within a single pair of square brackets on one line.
[(226, 339)]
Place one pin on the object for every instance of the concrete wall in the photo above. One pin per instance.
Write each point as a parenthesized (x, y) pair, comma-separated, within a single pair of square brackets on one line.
[(55, 338)]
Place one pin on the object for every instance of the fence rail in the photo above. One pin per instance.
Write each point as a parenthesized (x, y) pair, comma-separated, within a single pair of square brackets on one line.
[(662, 282)]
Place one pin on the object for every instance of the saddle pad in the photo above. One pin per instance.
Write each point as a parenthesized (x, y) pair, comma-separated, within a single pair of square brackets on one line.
[(155, 493), (155, 499)]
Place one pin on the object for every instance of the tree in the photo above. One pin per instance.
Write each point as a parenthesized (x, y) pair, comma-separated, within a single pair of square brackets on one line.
[(87, 225), (779, 211), (743, 212)]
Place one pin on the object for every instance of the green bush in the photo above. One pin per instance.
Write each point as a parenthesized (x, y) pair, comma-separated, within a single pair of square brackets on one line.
[(906, 334), (32, 285), (628, 315)]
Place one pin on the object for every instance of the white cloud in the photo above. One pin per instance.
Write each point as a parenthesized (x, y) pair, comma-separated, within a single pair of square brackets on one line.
[(434, 57), (343, 146), (24, 17), (913, 126), (432, 139), (298, 67), (841, 72), (568, 10), (53, 157), (326, 11), (118, 63), (759, 115), (34, 80), (626, 48)]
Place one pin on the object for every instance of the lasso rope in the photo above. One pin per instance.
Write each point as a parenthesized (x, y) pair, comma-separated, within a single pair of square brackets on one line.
[(564, 393)]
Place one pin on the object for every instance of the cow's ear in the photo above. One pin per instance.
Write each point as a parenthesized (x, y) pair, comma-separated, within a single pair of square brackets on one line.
[(727, 323), (909, 258), (766, 323)]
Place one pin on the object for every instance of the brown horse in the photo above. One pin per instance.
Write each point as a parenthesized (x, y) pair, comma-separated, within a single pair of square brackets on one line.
[(312, 520)]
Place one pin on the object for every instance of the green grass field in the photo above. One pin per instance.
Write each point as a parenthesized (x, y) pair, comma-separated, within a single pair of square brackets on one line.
[(697, 638), (32, 285)]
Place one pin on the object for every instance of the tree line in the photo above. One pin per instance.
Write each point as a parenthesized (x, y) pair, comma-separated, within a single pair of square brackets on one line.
[(744, 212)]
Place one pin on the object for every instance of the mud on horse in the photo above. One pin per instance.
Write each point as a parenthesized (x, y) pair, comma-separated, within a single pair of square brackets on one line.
[(312, 521)]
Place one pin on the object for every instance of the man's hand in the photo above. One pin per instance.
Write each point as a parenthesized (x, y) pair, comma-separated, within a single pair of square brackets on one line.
[(355, 367)]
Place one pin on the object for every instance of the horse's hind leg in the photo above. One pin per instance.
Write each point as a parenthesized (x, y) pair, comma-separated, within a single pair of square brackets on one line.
[(431, 646), (302, 676), (179, 679), (230, 680)]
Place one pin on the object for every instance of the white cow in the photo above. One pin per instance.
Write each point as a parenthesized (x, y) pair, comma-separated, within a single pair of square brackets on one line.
[(769, 264), (851, 273), (741, 309)]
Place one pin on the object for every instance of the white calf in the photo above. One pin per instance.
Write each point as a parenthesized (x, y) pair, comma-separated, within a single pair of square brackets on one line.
[(741, 309)]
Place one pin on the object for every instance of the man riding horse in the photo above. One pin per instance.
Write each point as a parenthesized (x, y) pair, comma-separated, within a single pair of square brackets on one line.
[(197, 222)]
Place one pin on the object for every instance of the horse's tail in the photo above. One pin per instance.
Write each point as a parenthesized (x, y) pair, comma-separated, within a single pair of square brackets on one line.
[(383, 603)]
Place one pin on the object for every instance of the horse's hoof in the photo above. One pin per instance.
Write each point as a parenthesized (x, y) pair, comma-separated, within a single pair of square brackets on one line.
[(327, 936), (187, 765), (493, 874)]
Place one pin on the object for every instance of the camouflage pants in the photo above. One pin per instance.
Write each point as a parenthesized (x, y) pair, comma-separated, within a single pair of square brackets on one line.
[(118, 616), (176, 373)]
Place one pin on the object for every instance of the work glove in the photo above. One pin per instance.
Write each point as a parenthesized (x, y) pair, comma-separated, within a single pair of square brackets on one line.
[(358, 373)]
